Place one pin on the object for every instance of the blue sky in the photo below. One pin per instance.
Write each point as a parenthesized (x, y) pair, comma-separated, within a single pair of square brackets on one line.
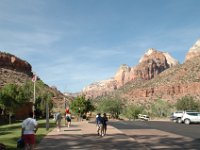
[(72, 43)]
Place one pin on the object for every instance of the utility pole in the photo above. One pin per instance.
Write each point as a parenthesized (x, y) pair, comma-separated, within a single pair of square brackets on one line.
[(34, 79)]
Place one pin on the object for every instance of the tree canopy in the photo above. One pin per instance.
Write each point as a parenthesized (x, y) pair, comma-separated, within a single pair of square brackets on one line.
[(81, 106)]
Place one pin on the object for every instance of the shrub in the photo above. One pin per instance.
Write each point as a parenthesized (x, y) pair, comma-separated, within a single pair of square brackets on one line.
[(132, 111), (160, 108), (111, 105), (187, 103)]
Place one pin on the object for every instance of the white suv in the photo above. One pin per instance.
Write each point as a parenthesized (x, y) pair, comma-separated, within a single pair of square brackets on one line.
[(191, 117), (176, 116)]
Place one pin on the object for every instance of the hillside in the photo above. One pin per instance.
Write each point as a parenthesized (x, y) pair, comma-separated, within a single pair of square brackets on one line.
[(18, 71), (170, 84), (151, 64)]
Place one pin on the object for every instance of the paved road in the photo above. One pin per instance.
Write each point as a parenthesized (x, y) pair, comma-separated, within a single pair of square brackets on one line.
[(161, 134), (192, 131)]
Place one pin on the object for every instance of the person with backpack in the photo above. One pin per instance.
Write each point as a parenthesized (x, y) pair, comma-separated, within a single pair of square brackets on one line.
[(68, 117), (99, 124)]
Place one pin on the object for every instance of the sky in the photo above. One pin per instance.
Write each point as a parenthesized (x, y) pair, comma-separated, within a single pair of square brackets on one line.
[(73, 43)]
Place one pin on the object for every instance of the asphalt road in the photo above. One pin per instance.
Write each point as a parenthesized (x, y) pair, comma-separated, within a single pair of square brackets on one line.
[(192, 130), (161, 134)]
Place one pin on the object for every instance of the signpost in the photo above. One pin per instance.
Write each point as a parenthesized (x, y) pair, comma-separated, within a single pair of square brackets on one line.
[(34, 79)]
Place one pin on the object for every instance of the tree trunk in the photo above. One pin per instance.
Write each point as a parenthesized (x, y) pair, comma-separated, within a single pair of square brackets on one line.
[(10, 119)]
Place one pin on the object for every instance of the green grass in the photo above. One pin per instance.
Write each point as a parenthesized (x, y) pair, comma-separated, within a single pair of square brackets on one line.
[(9, 134)]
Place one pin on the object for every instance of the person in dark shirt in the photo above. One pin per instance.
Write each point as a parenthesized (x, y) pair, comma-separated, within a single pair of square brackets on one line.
[(104, 123)]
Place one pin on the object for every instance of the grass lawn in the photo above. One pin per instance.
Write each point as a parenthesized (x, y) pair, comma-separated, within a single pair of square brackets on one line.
[(9, 134)]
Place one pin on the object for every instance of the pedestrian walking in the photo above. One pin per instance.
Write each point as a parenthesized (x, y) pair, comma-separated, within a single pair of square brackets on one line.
[(104, 122), (29, 128), (99, 124), (58, 118), (67, 117)]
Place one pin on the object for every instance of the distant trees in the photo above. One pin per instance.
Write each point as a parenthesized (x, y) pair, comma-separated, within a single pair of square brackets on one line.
[(81, 106), (112, 105), (187, 103), (160, 108), (132, 111)]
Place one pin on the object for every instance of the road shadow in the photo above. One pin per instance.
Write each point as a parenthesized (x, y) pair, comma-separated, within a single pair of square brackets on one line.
[(89, 141), (166, 142)]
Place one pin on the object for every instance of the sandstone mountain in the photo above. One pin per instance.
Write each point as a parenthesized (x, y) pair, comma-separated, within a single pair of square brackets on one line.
[(150, 65), (194, 51), (171, 84)]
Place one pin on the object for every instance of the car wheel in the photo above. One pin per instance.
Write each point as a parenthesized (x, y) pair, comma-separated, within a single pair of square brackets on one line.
[(179, 120), (187, 121)]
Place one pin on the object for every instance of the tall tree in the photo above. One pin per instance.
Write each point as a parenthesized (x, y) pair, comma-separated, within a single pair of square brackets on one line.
[(11, 97), (81, 106)]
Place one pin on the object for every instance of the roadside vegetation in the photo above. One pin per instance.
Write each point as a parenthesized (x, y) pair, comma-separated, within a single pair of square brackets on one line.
[(158, 108), (188, 103), (110, 105)]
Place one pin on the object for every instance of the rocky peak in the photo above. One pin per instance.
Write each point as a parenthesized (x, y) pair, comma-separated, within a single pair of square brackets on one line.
[(9, 61), (155, 53), (150, 65), (170, 60), (194, 51), (149, 52)]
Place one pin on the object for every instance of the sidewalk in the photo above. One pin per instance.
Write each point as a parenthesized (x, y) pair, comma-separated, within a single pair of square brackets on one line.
[(83, 135)]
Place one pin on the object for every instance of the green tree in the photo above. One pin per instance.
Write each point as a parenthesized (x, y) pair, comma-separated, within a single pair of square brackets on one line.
[(132, 111), (187, 103), (81, 106), (160, 108), (11, 97), (42, 101), (111, 105)]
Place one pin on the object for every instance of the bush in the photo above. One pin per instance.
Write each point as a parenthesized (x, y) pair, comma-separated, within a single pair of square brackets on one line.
[(161, 108), (111, 105), (132, 111), (187, 103)]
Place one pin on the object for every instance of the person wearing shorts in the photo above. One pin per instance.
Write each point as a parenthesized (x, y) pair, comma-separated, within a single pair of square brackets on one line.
[(29, 128)]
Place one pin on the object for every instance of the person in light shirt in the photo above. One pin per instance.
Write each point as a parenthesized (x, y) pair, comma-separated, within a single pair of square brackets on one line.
[(29, 128)]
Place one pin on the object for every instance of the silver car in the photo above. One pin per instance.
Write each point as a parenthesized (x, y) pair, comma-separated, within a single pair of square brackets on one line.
[(191, 117)]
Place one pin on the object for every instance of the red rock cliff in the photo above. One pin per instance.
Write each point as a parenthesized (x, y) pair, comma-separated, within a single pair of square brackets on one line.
[(150, 65), (11, 62)]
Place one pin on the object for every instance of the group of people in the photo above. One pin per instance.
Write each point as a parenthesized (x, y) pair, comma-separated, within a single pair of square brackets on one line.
[(30, 127), (101, 123), (58, 118)]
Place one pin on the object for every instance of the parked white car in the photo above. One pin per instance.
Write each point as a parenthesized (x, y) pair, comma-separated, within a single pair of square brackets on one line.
[(191, 117), (176, 116), (143, 117)]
